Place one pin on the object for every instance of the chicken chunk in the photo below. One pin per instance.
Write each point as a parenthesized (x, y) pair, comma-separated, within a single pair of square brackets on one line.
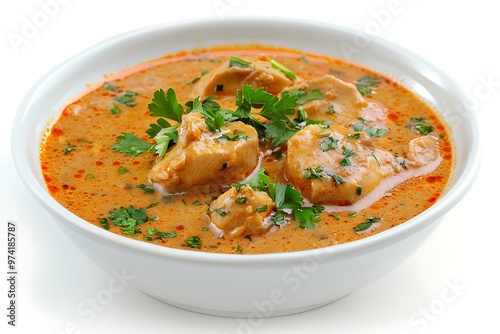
[(330, 168), (204, 159), (242, 212), (421, 150), (227, 80), (341, 102), (342, 96)]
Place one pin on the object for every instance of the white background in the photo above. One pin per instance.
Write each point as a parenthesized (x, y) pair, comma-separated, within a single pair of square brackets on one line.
[(461, 37)]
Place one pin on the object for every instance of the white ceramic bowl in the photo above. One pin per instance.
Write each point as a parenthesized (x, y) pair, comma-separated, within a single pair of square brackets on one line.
[(245, 285)]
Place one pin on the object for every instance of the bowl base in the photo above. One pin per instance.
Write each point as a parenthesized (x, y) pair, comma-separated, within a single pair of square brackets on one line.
[(253, 314)]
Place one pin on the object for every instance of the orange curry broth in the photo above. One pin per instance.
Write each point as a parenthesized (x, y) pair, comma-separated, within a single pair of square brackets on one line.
[(91, 180)]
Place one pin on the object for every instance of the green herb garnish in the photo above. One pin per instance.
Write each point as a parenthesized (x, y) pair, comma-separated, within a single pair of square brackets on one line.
[(283, 69), (238, 62), (128, 219), (329, 143), (194, 241), (147, 189), (127, 98), (367, 224), (365, 85)]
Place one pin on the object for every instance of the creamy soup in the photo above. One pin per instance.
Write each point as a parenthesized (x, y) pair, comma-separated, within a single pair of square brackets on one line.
[(246, 150)]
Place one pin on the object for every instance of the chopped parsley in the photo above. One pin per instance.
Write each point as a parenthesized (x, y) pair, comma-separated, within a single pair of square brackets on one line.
[(419, 125), (314, 173), (240, 200), (337, 179), (127, 219), (423, 128), (131, 145), (238, 62), (147, 189), (283, 69), (204, 71), (375, 133), (104, 223), (359, 126), (365, 85), (122, 170), (114, 109), (234, 137), (160, 235), (107, 86), (354, 136), (221, 212), (347, 153), (69, 148), (194, 241), (345, 162), (127, 98), (367, 224), (288, 200), (329, 143), (261, 208), (359, 190), (303, 97)]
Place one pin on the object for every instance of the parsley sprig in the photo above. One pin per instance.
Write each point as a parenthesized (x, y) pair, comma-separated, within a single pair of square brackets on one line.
[(365, 85), (126, 218), (164, 106), (287, 199)]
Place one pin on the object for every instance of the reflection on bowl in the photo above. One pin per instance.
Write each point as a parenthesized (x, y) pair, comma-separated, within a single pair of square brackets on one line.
[(250, 285)]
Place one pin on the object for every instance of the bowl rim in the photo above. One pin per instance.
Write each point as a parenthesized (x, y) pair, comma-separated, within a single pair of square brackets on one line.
[(395, 234)]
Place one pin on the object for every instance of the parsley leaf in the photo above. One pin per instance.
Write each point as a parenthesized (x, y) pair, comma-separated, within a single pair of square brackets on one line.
[(259, 181), (314, 173), (375, 133), (283, 69), (286, 197), (420, 125), (69, 148), (367, 224), (279, 131), (329, 143), (166, 105), (215, 117), (238, 62), (147, 189), (127, 98), (365, 85), (194, 241), (114, 109), (234, 137), (131, 145), (303, 97), (423, 128), (128, 219), (159, 235)]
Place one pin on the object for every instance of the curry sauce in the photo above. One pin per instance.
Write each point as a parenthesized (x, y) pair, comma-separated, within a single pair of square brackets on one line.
[(86, 174)]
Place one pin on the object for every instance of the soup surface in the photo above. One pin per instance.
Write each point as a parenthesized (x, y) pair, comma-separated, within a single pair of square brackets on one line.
[(247, 150)]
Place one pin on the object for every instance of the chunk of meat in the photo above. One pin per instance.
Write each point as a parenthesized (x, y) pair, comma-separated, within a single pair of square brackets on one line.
[(242, 212), (341, 102), (227, 80), (204, 159), (329, 168), (421, 150), (342, 96)]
